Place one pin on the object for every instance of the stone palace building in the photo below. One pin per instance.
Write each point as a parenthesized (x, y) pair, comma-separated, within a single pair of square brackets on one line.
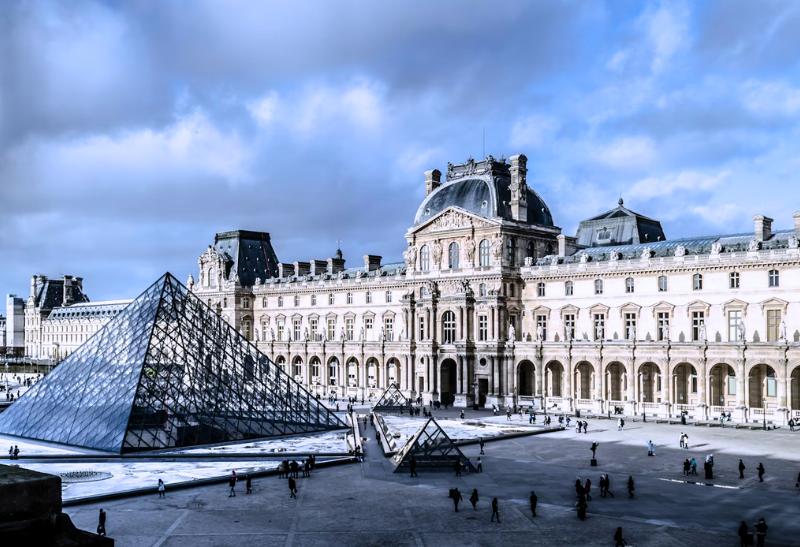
[(494, 305)]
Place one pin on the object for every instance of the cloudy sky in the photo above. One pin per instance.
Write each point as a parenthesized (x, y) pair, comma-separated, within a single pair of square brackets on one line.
[(131, 132)]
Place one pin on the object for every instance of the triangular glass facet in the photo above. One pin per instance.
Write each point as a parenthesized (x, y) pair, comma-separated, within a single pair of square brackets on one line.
[(392, 401), (432, 448)]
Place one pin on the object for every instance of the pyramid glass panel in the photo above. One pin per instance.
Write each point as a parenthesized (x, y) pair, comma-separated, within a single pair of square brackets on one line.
[(166, 372), (392, 401), (432, 448)]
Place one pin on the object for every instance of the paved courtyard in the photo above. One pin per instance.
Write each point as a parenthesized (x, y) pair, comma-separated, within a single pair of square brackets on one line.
[(366, 504)]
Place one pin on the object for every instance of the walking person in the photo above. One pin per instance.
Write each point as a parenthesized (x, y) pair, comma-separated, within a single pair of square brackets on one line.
[(495, 510), (101, 523), (619, 541), (602, 485), (457, 467), (631, 486), (16, 452), (761, 532), (473, 499), (681, 442), (687, 465), (480, 465), (292, 488), (162, 489), (232, 486), (585, 426), (455, 495), (594, 450), (481, 442), (534, 500), (413, 466), (608, 485), (741, 468), (248, 483), (744, 534), (761, 472), (587, 487)]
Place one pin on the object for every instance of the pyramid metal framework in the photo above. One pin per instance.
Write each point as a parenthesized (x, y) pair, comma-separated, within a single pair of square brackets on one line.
[(166, 372), (392, 400), (432, 448)]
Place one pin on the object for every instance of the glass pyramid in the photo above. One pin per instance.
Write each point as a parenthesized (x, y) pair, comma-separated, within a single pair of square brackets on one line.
[(392, 401), (432, 448), (166, 372)]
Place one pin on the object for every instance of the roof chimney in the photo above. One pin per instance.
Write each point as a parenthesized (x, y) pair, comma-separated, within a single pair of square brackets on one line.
[(763, 227), (433, 179), (372, 262), (519, 187)]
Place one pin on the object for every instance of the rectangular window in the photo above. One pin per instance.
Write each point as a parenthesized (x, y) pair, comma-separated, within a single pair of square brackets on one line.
[(369, 297), (774, 278), (540, 289), (348, 328), (280, 330), (388, 328), (694, 384), (772, 387), (569, 326), (388, 296), (663, 326), (421, 328), (731, 385), (312, 328), (331, 328), (773, 325), (349, 298), (734, 332), (630, 326), (296, 328), (733, 280), (698, 325), (599, 326), (368, 324), (568, 288), (541, 327), (483, 328), (662, 283), (330, 299)]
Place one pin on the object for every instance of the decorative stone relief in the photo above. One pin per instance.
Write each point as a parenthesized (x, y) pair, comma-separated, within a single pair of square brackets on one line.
[(680, 250)]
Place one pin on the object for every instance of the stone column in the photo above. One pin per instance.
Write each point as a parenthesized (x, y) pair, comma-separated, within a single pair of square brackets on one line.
[(459, 360), (495, 376)]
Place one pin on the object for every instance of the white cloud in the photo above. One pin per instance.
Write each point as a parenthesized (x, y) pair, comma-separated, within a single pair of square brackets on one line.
[(722, 215), (667, 29), (689, 181), (360, 104), (264, 109), (626, 152), (771, 98), (533, 131)]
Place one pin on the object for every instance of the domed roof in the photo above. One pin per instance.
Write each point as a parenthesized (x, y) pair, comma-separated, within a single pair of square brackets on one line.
[(485, 195)]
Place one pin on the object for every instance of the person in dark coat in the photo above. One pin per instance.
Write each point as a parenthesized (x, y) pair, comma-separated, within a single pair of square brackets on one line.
[(534, 499), (744, 534), (761, 532), (413, 465), (603, 485), (101, 523), (594, 449), (495, 510), (631, 486), (761, 472), (457, 467), (608, 485), (248, 483), (473, 498), (587, 487), (741, 468), (582, 506), (481, 442), (619, 541), (292, 488), (578, 488), (455, 495), (232, 486)]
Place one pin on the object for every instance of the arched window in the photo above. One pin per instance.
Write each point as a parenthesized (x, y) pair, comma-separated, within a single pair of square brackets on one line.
[(452, 256), (511, 251), (628, 284), (483, 253), (540, 288), (424, 259), (598, 286), (448, 327), (482, 289), (568, 288), (697, 282)]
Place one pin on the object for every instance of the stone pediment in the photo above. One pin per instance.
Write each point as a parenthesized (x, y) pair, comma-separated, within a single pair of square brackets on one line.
[(453, 218)]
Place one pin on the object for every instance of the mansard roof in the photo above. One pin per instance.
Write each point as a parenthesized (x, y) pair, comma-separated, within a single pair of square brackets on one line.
[(690, 246), (482, 188), (248, 255), (108, 308), (618, 226)]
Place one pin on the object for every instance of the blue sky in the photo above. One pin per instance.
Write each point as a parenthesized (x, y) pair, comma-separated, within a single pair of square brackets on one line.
[(131, 132)]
